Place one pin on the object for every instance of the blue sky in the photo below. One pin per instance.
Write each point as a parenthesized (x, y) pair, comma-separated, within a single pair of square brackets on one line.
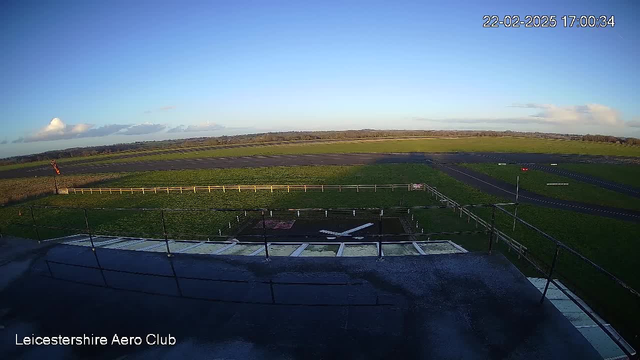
[(78, 73)]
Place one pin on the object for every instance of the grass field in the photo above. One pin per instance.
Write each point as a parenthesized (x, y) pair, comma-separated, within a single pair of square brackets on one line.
[(536, 181), (610, 243), (480, 144), (12, 190), (623, 174), (504, 144)]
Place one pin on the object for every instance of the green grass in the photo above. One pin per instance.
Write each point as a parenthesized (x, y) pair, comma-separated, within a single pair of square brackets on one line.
[(481, 144), (536, 181), (502, 144), (608, 242), (623, 174)]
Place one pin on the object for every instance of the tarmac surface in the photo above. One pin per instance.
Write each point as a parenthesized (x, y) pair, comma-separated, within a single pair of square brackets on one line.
[(463, 306)]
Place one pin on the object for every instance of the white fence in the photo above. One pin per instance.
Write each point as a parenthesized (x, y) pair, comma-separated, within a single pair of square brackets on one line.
[(240, 188)]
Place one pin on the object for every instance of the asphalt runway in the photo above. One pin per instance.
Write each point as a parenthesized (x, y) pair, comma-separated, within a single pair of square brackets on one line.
[(443, 161)]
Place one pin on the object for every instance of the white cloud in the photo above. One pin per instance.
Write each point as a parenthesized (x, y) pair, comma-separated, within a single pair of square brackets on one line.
[(589, 114), (206, 126), (548, 114), (143, 129), (59, 130)]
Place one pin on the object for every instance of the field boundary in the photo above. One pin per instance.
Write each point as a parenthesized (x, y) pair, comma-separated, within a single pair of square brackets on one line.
[(240, 188)]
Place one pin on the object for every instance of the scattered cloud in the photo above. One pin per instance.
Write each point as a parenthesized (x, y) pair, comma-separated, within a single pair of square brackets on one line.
[(590, 114), (59, 130), (104, 130), (206, 126), (143, 129)]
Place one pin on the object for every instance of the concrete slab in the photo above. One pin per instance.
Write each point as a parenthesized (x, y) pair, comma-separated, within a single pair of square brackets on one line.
[(316, 250), (241, 249), (282, 250), (602, 342), (206, 248), (360, 250), (399, 249), (438, 248)]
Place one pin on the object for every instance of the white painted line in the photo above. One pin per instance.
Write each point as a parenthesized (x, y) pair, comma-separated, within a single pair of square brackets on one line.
[(223, 249), (340, 249), (299, 250), (259, 250), (589, 326), (147, 248), (127, 243), (190, 247), (63, 237), (108, 242), (418, 248), (458, 246), (77, 241)]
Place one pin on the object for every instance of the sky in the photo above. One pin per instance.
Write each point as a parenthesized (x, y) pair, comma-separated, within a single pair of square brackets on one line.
[(79, 73)]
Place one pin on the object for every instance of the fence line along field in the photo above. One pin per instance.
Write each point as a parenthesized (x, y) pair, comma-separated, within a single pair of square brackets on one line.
[(240, 188), (14, 190)]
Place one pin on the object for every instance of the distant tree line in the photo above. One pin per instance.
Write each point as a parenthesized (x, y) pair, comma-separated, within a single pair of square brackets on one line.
[(296, 136)]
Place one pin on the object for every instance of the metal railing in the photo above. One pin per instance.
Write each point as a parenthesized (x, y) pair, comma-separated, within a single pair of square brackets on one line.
[(381, 237), (263, 213), (240, 188)]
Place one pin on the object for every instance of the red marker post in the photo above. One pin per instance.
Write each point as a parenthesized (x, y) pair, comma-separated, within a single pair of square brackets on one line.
[(56, 170)]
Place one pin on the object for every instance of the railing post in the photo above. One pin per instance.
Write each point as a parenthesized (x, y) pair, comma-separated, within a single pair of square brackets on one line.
[(86, 223), (35, 226), (493, 228), (264, 236), (553, 265), (380, 239), (164, 231)]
